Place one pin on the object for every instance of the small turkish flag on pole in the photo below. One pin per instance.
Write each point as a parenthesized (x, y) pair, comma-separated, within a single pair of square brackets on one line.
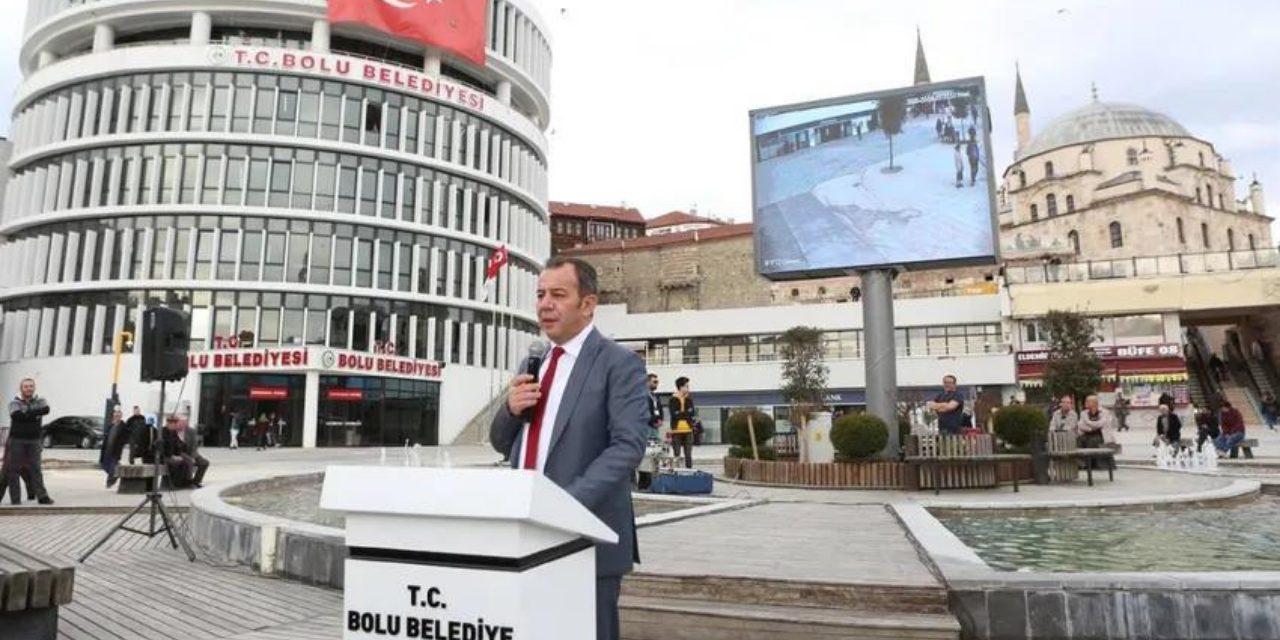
[(457, 26), (497, 260)]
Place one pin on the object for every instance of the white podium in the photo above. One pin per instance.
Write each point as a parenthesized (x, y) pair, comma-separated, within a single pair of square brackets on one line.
[(464, 554)]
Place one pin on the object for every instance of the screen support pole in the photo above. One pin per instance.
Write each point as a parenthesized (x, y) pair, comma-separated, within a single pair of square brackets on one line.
[(879, 352)]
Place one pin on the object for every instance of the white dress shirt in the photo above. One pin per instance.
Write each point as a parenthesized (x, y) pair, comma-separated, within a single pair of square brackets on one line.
[(564, 369)]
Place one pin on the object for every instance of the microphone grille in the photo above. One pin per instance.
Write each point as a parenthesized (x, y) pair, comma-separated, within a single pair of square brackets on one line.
[(538, 349)]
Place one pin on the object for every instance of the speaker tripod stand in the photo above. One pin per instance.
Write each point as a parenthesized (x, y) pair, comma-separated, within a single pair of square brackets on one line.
[(154, 501)]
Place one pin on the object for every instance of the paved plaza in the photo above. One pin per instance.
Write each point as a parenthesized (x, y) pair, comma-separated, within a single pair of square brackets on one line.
[(783, 539)]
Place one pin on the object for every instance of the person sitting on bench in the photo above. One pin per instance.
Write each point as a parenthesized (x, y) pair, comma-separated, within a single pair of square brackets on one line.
[(1093, 421), (142, 442), (179, 449), (1232, 429)]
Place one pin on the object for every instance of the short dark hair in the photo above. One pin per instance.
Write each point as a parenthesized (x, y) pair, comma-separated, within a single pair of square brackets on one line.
[(953, 378), (1226, 403), (652, 376), (588, 281), (681, 381)]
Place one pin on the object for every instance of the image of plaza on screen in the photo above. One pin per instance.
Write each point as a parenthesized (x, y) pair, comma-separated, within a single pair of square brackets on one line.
[(894, 178)]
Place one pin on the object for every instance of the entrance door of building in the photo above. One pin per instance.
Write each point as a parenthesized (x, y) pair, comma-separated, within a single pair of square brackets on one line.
[(255, 397)]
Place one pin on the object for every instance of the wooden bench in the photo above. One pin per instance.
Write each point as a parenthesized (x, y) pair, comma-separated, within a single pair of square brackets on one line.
[(1065, 458), (957, 462), (32, 587), (140, 478), (1248, 444)]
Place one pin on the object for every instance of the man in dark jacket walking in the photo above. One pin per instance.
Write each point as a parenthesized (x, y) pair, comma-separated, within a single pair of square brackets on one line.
[(26, 415)]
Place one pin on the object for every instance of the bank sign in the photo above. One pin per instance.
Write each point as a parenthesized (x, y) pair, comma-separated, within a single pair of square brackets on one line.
[(303, 359)]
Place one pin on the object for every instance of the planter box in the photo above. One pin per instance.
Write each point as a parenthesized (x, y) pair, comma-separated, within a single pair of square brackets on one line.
[(878, 474), (853, 475)]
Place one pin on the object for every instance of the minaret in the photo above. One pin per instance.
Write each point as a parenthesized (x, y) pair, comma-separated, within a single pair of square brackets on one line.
[(1256, 197), (922, 65), (1021, 112)]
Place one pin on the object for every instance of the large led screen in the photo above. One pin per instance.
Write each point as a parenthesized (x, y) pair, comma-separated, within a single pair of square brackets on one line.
[(898, 178)]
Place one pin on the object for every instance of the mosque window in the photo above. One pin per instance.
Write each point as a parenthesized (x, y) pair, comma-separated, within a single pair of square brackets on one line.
[(1048, 169), (1182, 236), (1199, 194), (1022, 179), (1035, 213), (1132, 156), (1208, 190), (1222, 202), (1117, 235), (1071, 203), (1252, 246), (1074, 238), (1204, 234), (1231, 239), (1051, 205), (1202, 158)]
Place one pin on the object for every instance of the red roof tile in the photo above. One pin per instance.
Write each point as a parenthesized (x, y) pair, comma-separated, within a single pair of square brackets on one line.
[(596, 212), (725, 232), (676, 218)]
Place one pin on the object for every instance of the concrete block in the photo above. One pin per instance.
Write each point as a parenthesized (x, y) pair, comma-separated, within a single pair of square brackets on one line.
[(1007, 611), (1047, 614), (1257, 616), (1213, 616), (970, 609), (1159, 615), (1096, 615)]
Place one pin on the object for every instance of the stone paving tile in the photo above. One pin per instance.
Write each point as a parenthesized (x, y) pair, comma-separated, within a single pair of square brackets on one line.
[(807, 542)]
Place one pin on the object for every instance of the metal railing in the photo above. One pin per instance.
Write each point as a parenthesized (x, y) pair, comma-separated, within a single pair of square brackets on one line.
[(654, 359), (1144, 266)]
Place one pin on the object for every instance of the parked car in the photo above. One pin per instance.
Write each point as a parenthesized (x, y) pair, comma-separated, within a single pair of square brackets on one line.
[(84, 432)]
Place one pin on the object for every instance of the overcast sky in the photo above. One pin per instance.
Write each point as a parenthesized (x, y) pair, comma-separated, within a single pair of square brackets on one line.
[(650, 99)]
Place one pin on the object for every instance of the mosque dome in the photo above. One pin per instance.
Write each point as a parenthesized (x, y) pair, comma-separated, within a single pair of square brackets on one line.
[(1098, 121)]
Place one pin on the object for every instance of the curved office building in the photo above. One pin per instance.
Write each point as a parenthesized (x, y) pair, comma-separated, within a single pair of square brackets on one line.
[(322, 199)]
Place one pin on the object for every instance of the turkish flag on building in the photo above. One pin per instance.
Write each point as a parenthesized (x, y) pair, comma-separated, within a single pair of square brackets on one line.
[(497, 260), (457, 26)]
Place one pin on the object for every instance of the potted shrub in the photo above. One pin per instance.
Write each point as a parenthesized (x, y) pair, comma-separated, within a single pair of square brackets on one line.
[(858, 436), (740, 427), (1017, 425)]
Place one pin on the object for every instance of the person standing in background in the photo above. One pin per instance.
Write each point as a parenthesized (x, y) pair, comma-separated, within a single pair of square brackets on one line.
[(683, 414), (949, 407), (1121, 410), (26, 414), (655, 407), (113, 441)]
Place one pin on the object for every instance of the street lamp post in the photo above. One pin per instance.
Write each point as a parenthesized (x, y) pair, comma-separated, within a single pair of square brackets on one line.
[(114, 400)]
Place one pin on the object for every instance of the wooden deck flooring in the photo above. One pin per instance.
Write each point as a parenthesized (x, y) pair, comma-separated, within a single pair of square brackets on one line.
[(136, 588)]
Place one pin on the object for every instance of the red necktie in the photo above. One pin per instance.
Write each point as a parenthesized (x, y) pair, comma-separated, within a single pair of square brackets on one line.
[(535, 427)]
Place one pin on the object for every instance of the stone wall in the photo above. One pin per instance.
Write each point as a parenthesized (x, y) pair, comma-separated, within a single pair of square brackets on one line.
[(721, 274)]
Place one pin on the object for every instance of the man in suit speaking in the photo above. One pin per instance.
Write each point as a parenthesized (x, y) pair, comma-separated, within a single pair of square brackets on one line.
[(589, 414)]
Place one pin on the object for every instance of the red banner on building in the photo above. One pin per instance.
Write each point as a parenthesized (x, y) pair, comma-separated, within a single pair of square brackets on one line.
[(457, 26), (268, 393), (345, 395)]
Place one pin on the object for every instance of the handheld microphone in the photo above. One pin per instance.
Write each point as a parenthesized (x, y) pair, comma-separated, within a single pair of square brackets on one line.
[(537, 351)]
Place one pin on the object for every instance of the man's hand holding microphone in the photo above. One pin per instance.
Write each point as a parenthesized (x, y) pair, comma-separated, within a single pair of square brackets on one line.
[(524, 391)]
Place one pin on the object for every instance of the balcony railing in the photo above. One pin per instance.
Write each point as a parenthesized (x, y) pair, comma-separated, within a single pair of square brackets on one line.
[(1144, 266), (658, 359)]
